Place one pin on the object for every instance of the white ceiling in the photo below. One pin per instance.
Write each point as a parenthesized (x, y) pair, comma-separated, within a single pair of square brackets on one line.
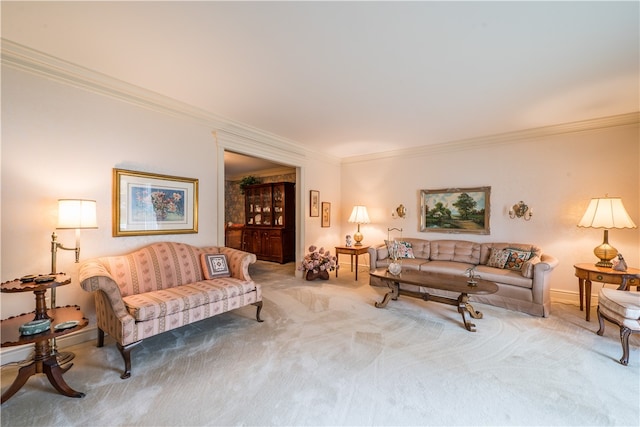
[(352, 78)]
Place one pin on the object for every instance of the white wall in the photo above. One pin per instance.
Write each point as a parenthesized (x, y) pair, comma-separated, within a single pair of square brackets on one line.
[(556, 175), (60, 141)]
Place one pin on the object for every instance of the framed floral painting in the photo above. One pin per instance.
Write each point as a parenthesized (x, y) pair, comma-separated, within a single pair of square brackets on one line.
[(147, 204)]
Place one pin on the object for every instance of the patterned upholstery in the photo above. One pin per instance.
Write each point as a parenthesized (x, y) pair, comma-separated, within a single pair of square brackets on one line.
[(161, 287)]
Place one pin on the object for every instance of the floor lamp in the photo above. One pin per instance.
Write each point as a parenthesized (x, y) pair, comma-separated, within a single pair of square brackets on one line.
[(72, 214)]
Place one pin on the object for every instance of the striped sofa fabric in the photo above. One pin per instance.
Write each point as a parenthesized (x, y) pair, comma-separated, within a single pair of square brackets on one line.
[(162, 287)]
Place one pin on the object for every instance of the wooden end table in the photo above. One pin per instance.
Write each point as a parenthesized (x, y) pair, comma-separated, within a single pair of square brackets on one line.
[(586, 273), (44, 361), (351, 250)]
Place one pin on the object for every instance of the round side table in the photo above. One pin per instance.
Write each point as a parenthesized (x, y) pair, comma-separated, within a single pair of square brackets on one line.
[(43, 361)]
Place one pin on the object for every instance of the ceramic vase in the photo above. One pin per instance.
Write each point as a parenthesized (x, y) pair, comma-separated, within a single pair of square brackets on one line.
[(395, 268)]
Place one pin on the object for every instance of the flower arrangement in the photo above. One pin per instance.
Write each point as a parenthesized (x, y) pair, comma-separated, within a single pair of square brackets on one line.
[(318, 260), (163, 202)]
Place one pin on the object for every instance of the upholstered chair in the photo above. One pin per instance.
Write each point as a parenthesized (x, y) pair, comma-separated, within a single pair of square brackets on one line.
[(623, 309)]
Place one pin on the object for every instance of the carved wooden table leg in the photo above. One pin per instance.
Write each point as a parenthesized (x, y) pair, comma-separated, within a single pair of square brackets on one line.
[(43, 362), (392, 294), (23, 375), (465, 306)]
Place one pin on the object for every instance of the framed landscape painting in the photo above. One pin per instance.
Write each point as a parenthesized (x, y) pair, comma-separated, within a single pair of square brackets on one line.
[(455, 210), (145, 204)]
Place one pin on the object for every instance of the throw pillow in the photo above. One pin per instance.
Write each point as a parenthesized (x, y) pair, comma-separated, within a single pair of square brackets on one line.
[(527, 267), (498, 258), (214, 265), (516, 259), (405, 249)]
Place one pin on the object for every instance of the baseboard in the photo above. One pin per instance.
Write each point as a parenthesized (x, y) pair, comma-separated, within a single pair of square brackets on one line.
[(24, 352)]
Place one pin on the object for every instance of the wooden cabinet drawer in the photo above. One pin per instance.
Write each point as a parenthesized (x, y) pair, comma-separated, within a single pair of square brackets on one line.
[(604, 277)]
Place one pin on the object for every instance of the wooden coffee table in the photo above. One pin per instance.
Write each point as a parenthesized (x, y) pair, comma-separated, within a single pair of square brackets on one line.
[(445, 282)]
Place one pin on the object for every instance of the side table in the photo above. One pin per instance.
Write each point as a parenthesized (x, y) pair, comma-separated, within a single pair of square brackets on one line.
[(586, 273), (351, 250), (44, 361)]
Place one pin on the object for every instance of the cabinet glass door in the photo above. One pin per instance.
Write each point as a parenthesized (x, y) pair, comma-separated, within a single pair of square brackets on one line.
[(265, 206), (278, 204)]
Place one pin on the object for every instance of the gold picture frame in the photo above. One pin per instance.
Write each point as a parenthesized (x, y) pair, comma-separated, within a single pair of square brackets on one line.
[(455, 210), (148, 204)]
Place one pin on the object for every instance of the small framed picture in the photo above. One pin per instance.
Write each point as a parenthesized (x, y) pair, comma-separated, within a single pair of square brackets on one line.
[(326, 214), (314, 203)]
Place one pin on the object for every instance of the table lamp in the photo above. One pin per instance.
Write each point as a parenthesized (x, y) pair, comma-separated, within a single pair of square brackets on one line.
[(607, 212), (72, 214), (359, 215)]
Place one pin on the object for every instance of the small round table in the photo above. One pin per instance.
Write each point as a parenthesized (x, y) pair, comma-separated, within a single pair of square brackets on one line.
[(43, 361)]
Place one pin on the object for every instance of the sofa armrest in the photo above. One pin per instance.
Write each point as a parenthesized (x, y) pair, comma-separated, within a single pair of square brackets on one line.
[(239, 262), (541, 287), (95, 277), (373, 255)]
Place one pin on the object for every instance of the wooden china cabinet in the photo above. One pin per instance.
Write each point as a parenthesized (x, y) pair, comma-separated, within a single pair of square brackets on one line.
[(270, 221)]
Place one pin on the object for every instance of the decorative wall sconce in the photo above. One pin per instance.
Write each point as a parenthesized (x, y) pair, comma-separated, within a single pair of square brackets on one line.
[(520, 210), (399, 212)]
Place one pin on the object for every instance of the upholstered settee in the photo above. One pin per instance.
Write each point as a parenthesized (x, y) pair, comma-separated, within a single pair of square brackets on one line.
[(521, 271), (164, 286)]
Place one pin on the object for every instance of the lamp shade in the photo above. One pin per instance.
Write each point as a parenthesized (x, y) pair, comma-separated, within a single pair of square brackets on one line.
[(76, 213), (359, 215), (608, 212)]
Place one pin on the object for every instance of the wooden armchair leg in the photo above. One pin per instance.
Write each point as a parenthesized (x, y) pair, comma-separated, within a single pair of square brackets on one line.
[(258, 310), (601, 322), (624, 339), (125, 351), (100, 342)]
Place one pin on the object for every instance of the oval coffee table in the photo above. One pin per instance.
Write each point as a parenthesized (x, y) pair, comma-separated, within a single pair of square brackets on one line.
[(446, 282)]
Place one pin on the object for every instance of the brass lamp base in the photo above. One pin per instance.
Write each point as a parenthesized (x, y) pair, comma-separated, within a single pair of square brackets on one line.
[(358, 237), (605, 252)]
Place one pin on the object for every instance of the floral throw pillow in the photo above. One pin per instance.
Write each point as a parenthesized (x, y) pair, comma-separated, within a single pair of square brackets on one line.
[(498, 258), (214, 265), (404, 249), (516, 259)]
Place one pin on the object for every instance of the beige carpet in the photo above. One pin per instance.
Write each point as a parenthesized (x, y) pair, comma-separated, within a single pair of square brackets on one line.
[(326, 356)]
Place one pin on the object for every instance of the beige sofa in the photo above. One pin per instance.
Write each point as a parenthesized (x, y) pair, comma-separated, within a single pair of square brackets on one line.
[(525, 289), (164, 286)]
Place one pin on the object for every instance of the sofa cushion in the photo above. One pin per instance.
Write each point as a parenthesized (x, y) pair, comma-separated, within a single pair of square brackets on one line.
[(158, 304), (214, 265), (503, 275), (455, 250)]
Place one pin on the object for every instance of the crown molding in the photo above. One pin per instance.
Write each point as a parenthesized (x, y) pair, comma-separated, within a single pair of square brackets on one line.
[(29, 60), (504, 138), (241, 137)]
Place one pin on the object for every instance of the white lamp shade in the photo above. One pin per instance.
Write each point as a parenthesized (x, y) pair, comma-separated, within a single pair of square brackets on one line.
[(359, 215), (76, 213), (607, 212)]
